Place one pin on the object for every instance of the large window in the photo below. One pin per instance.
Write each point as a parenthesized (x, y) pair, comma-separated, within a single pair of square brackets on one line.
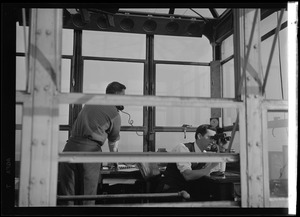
[(182, 70), (182, 80)]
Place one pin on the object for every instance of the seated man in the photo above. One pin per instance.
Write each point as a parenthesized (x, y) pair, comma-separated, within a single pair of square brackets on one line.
[(187, 176)]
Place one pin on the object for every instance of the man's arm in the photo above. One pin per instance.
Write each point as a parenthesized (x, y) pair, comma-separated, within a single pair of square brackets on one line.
[(113, 146), (189, 174), (186, 169)]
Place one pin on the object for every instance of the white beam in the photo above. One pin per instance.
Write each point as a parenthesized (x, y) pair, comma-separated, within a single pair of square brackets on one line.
[(133, 157), (135, 100)]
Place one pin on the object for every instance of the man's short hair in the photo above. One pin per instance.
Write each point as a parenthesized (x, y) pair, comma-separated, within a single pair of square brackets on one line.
[(202, 129), (115, 87)]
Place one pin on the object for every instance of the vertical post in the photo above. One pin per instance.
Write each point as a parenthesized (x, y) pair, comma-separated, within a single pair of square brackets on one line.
[(146, 92), (253, 163), (151, 109), (266, 157), (76, 81), (238, 49), (38, 187), (215, 78), (215, 87)]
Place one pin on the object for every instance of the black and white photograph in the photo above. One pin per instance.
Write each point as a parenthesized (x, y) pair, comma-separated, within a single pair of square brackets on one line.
[(149, 109)]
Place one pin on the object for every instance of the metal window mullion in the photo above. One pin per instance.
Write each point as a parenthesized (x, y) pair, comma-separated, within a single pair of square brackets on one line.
[(113, 59), (151, 109), (170, 62), (76, 75), (145, 93)]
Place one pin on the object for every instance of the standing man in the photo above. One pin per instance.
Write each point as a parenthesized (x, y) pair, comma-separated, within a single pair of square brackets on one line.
[(94, 124), (186, 176)]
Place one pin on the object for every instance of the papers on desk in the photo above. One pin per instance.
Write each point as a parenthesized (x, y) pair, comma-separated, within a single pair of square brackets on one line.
[(123, 168), (127, 168), (114, 181)]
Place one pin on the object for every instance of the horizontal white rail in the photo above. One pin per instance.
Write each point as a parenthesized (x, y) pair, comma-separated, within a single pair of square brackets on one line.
[(145, 100), (279, 202), (133, 157), (275, 104), (216, 204), (22, 97)]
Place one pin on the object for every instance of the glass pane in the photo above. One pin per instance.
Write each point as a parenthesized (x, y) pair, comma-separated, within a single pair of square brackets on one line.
[(278, 153), (129, 142), (20, 40), (67, 42), (65, 75), (227, 47), (98, 74), (276, 87), (169, 140), (228, 79), (172, 116), (111, 44), (178, 80), (229, 116), (21, 75), (271, 22), (182, 48), (182, 80)]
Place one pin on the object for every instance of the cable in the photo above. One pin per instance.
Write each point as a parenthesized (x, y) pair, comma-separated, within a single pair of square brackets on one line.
[(130, 121)]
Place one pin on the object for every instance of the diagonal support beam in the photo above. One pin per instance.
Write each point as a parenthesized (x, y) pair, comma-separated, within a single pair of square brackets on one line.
[(272, 52)]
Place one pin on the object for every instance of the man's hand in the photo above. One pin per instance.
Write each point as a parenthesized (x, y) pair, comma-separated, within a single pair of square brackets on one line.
[(113, 146)]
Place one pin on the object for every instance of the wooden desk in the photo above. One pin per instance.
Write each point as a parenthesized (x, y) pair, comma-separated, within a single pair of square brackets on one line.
[(225, 188), (229, 177), (216, 188)]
